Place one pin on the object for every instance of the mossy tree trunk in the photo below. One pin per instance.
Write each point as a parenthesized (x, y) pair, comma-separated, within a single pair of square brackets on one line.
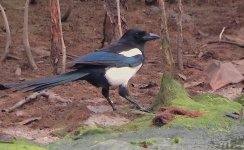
[(165, 93)]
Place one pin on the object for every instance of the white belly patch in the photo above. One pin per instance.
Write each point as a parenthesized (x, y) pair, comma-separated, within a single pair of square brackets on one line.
[(120, 76)]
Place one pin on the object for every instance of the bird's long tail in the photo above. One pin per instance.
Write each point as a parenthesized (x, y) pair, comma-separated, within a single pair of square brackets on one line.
[(45, 83)]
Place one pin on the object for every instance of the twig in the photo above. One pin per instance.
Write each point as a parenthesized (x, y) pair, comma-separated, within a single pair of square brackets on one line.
[(23, 101), (221, 33), (29, 120), (227, 42), (8, 39), (71, 56), (119, 18), (26, 38), (34, 97)]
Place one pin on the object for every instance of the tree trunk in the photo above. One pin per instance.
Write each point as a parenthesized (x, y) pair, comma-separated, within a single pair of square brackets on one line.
[(111, 27), (58, 50), (166, 86), (180, 38), (8, 39), (166, 49), (26, 38)]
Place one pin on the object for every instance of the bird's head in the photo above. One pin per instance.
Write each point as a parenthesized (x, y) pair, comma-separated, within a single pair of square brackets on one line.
[(139, 36)]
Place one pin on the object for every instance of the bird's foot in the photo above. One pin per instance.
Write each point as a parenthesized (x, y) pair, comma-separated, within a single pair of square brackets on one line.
[(114, 109)]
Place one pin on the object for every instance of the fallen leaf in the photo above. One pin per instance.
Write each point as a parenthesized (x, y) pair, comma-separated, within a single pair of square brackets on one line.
[(222, 73)]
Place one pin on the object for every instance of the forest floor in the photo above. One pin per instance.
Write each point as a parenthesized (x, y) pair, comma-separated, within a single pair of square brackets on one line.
[(202, 22)]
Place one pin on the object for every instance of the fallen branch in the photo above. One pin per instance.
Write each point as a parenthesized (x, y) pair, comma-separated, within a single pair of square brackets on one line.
[(24, 101), (56, 97), (8, 39), (34, 96), (226, 42), (29, 120), (10, 56)]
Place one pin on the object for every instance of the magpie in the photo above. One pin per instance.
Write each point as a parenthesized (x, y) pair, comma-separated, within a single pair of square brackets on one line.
[(113, 65)]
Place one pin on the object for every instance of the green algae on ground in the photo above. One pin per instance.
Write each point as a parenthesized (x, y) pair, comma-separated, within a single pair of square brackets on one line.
[(145, 143), (20, 145)]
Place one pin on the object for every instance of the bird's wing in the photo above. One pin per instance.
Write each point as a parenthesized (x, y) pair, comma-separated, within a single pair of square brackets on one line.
[(102, 58)]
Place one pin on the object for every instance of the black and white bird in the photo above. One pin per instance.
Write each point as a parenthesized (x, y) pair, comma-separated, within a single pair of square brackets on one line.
[(110, 66)]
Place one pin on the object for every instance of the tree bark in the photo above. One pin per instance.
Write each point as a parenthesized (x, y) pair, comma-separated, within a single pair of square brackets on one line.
[(119, 18), (26, 38), (111, 29), (166, 49), (8, 39), (58, 50), (180, 38)]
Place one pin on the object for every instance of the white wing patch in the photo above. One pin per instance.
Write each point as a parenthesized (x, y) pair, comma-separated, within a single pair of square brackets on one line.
[(132, 52), (120, 76)]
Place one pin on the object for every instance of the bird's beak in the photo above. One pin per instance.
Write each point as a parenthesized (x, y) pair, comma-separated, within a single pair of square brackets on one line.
[(150, 36)]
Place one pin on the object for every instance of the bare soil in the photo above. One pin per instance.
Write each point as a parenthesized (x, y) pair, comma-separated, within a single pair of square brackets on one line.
[(83, 34)]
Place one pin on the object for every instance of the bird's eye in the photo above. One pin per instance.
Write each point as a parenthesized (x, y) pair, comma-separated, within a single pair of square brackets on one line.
[(139, 34)]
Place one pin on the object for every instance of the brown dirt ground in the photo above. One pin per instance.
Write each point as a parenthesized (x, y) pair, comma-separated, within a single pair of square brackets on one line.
[(83, 34)]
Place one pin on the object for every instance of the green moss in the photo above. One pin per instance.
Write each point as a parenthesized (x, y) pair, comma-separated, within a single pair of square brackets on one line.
[(19, 145), (169, 89), (240, 99), (144, 143), (140, 123), (172, 93), (86, 131)]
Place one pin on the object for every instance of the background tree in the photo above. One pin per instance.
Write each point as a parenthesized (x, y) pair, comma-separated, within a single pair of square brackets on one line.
[(8, 39), (111, 27), (167, 80), (26, 38), (180, 37), (58, 50)]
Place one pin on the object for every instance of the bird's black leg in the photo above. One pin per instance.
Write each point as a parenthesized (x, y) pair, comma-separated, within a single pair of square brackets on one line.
[(105, 92), (123, 91)]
